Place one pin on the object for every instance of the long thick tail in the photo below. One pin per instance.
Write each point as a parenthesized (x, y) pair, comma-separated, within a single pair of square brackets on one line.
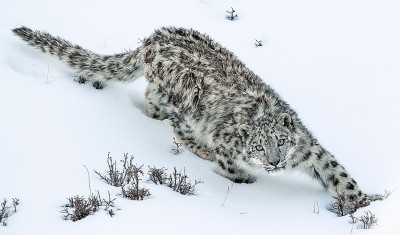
[(123, 67)]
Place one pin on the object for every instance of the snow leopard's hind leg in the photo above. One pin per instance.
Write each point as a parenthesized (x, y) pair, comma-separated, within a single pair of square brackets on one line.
[(153, 102)]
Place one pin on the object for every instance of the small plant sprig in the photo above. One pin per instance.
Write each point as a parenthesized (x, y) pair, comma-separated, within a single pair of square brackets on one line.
[(387, 193), (258, 43), (116, 177), (81, 80), (5, 212), (98, 85), (141, 41), (134, 191), (338, 207), (177, 149), (79, 207), (178, 181), (109, 205), (157, 175), (15, 202), (128, 178), (368, 220), (232, 16), (124, 50), (353, 218)]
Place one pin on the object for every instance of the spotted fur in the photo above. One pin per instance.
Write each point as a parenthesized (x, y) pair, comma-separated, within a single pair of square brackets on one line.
[(218, 108)]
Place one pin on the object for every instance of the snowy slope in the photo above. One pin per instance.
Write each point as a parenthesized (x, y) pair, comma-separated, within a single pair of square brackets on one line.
[(336, 63)]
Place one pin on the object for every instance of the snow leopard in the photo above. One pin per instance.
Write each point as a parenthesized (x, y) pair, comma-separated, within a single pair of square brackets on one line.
[(218, 108)]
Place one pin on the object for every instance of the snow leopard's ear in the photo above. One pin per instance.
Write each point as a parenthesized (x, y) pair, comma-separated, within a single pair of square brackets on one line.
[(285, 120), (244, 130)]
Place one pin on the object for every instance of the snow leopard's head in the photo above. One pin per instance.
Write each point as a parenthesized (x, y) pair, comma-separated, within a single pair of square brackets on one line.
[(269, 144)]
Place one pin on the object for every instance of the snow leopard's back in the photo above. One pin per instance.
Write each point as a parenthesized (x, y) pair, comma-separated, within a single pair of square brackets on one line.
[(188, 49), (206, 80)]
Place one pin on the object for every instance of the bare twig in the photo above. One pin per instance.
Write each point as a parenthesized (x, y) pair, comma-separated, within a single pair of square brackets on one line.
[(90, 188), (226, 195), (176, 150)]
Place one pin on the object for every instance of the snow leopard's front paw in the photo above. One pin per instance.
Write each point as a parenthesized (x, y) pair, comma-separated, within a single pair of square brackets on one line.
[(375, 197), (349, 203), (354, 203)]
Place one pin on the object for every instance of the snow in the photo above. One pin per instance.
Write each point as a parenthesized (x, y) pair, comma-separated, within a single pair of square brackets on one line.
[(335, 62)]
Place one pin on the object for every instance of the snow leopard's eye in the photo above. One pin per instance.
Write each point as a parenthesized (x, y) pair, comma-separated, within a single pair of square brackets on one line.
[(259, 148), (281, 142)]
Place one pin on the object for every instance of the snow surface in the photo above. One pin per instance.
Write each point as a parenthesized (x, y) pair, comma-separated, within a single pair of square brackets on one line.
[(336, 63)]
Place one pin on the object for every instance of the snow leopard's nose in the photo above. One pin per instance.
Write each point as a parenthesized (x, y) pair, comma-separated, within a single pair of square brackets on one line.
[(274, 162)]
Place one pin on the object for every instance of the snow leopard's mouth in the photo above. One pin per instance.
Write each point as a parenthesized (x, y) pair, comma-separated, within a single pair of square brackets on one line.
[(275, 171), (278, 168), (271, 169)]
